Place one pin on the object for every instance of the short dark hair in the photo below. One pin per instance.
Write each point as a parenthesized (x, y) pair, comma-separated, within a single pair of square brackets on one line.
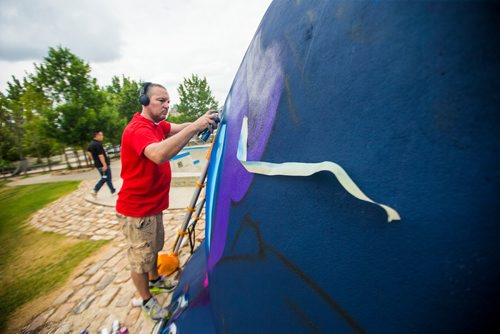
[(95, 133), (148, 88)]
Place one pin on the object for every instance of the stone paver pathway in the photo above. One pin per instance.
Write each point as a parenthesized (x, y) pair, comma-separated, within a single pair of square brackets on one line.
[(101, 291)]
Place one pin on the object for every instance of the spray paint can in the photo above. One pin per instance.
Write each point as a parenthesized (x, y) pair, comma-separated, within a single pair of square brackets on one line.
[(205, 134)]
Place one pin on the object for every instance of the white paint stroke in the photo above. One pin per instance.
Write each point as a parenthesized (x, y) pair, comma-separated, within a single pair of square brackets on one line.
[(304, 169)]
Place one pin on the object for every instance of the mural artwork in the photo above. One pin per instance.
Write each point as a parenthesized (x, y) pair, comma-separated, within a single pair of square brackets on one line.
[(354, 183)]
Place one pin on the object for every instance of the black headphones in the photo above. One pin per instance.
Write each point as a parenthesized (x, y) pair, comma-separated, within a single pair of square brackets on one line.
[(143, 97)]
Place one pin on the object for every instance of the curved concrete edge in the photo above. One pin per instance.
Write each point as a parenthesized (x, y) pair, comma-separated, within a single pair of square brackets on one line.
[(180, 198), (109, 202)]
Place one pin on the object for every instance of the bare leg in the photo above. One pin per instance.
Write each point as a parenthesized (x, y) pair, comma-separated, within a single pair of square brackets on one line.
[(153, 274), (141, 284), (141, 281)]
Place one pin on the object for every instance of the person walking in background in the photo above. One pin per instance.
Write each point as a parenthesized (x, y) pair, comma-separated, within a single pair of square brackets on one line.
[(146, 174), (101, 162)]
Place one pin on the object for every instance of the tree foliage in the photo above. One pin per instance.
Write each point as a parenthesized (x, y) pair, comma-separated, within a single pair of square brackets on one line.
[(35, 106), (60, 104), (123, 96), (195, 98), (75, 96), (14, 121), (7, 142)]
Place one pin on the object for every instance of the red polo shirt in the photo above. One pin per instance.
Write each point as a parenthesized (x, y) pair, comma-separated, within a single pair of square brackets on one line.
[(146, 185)]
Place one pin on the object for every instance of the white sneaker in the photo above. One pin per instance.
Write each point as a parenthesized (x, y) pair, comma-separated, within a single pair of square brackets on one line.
[(93, 193)]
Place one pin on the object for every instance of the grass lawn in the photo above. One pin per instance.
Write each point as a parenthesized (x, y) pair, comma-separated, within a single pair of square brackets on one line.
[(33, 262)]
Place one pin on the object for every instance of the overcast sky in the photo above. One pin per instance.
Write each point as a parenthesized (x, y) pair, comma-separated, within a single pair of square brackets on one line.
[(162, 41)]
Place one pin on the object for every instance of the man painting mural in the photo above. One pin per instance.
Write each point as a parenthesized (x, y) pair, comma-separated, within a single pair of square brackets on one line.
[(146, 174)]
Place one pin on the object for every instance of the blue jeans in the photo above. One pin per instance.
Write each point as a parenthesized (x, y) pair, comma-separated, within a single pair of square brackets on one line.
[(105, 178)]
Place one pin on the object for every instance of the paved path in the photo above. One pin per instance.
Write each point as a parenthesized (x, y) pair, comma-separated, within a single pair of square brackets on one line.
[(183, 184), (100, 291)]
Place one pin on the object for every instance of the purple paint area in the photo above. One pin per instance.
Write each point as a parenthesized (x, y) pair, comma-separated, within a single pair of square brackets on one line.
[(255, 93)]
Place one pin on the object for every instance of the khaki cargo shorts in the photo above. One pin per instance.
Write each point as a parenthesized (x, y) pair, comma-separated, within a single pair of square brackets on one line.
[(145, 237)]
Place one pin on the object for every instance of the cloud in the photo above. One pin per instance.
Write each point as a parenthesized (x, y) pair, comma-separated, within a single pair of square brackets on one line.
[(87, 28), (163, 41)]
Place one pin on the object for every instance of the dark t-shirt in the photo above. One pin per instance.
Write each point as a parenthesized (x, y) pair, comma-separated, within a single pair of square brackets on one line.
[(96, 149)]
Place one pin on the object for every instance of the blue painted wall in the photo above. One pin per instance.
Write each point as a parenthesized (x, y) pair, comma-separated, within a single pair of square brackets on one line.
[(405, 96)]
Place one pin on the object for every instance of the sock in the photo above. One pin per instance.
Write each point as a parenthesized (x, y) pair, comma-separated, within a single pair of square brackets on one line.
[(145, 301), (155, 280)]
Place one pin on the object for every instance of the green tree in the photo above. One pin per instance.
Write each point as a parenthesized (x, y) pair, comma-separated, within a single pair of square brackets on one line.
[(14, 117), (112, 124), (21, 132), (76, 98), (35, 107), (59, 106), (195, 99), (121, 104), (124, 96), (7, 142)]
